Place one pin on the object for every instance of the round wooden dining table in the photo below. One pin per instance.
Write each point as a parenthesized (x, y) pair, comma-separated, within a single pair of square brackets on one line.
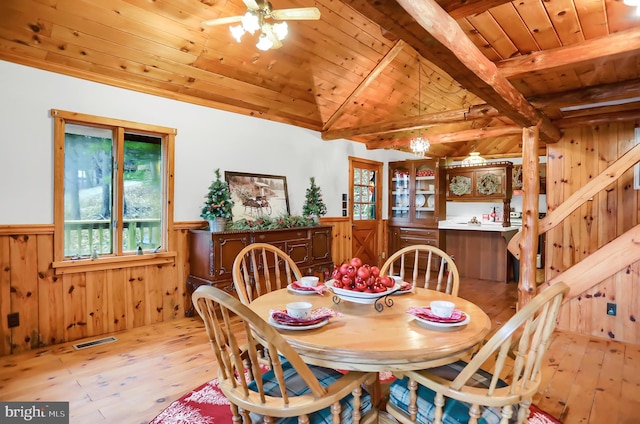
[(360, 338)]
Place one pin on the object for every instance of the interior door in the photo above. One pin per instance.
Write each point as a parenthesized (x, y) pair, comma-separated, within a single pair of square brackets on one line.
[(366, 209)]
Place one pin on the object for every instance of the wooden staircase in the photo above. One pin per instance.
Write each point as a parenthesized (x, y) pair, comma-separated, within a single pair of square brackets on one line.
[(611, 258)]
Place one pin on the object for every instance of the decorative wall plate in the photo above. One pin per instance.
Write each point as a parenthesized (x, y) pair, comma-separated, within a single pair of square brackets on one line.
[(460, 185)]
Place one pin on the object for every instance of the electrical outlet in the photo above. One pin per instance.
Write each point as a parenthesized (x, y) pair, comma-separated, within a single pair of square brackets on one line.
[(13, 319), (611, 309)]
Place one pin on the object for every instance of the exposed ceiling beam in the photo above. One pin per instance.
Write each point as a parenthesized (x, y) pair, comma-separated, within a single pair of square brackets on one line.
[(456, 137), (437, 37), (584, 96), (459, 9), (603, 118), (416, 122), (386, 60), (474, 135), (617, 43)]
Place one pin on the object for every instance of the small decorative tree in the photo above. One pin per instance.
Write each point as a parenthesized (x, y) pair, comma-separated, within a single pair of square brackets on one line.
[(313, 205), (218, 203)]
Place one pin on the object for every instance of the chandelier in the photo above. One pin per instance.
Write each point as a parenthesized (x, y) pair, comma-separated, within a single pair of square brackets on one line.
[(419, 145), (270, 34)]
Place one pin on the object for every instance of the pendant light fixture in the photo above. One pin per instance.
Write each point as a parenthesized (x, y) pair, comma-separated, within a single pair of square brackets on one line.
[(474, 158), (419, 145)]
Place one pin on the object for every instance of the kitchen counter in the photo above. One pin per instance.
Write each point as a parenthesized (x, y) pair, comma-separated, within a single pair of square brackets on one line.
[(488, 226), (480, 251)]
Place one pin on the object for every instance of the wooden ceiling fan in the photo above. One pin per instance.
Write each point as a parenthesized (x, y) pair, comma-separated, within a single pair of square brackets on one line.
[(259, 17)]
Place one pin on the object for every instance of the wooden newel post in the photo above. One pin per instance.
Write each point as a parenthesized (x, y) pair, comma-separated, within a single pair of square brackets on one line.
[(527, 288)]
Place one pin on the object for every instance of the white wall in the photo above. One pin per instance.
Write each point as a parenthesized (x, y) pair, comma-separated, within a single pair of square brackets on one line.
[(207, 139)]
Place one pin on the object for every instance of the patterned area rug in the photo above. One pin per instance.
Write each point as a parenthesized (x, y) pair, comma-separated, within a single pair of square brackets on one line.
[(207, 405)]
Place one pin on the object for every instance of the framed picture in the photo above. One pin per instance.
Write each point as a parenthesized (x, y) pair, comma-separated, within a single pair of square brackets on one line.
[(257, 194)]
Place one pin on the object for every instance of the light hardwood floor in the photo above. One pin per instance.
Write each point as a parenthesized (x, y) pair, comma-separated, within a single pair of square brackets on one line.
[(589, 381)]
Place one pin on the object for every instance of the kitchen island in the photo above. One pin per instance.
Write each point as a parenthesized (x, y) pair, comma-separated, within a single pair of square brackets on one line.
[(480, 250)]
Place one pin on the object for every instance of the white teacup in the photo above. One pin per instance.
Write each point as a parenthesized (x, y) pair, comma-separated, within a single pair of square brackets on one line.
[(300, 310), (309, 281), (442, 308)]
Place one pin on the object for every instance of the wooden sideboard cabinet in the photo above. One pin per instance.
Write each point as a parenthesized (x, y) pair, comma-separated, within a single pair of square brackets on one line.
[(211, 255)]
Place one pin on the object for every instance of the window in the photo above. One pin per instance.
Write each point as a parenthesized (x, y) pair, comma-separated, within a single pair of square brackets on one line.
[(112, 187), (364, 194)]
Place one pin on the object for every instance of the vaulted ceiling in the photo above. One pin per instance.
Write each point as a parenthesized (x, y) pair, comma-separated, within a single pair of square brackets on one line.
[(467, 74)]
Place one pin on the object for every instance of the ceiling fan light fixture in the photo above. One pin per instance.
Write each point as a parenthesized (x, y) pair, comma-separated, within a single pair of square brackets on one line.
[(237, 32), (281, 29), (250, 22), (264, 43)]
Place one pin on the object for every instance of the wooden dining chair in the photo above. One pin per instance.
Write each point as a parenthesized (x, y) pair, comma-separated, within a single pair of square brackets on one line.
[(497, 385), (438, 272), (290, 388), (261, 268)]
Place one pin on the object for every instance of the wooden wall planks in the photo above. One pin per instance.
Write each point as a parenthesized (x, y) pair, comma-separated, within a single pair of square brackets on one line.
[(341, 244), (55, 309), (578, 157)]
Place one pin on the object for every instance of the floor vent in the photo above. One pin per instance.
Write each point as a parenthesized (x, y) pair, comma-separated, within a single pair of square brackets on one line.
[(92, 343)]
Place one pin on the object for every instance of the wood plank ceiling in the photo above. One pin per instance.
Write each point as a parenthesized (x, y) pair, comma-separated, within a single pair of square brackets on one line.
[(466, 74)]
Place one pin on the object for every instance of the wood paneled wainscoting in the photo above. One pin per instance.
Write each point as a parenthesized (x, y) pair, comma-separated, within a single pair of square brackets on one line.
[(60, 308), (341, 238)]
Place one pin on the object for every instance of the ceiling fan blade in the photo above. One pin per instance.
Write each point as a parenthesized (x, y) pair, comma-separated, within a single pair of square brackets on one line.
[(222, 21), (251, 4), (300, 13)]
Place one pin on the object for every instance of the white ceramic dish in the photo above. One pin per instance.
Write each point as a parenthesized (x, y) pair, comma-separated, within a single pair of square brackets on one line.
[(309, 281), (360, 297), (442, 308), (300, 310), (420, 200), (298, 291), (298, 327), (431, 201), (441, 326), (399, 292)]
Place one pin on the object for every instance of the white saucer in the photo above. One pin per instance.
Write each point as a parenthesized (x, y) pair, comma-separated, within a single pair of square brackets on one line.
[(301, 292), (441, 326), (298, 327)]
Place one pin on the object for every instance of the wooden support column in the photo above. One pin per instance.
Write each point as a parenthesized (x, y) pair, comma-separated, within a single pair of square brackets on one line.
[(529, 242)]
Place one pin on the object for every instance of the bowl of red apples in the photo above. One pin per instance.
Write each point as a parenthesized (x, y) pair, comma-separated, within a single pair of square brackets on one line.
[(360, 283)]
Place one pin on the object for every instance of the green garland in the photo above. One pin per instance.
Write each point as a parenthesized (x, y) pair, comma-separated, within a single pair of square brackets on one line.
[(267, 223)]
